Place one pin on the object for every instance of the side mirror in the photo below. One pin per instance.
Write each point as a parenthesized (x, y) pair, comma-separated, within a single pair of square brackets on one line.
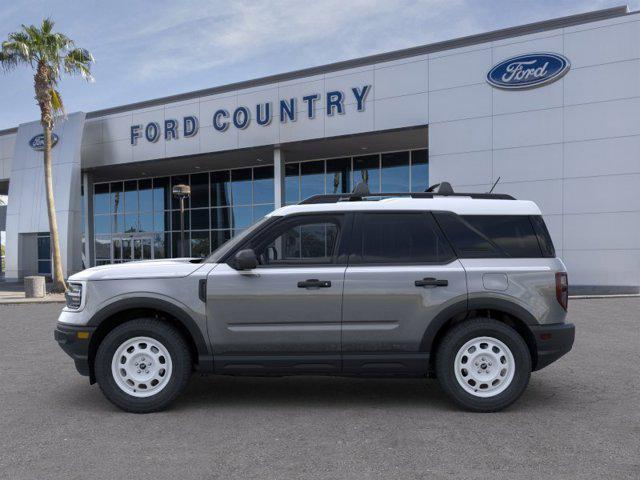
[(244, 260)]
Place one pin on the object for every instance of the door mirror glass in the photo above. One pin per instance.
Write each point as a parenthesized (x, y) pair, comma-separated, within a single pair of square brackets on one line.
[(244, 260)]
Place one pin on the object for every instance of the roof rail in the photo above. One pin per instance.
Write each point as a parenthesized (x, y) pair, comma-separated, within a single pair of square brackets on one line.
[(355, 197)]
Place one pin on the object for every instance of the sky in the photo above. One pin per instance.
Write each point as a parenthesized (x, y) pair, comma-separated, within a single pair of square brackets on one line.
[(148, 49)]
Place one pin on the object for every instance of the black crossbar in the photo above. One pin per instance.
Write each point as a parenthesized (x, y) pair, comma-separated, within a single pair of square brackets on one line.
[(351, 197)]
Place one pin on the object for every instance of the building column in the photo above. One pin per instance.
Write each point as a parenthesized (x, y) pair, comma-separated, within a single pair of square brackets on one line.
[(278, 177), (87, 205)]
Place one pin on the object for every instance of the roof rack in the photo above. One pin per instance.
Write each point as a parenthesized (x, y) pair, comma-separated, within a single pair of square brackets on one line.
[(357, 197)]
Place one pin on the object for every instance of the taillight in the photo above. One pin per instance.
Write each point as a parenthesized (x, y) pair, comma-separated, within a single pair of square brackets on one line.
[(562, 289)]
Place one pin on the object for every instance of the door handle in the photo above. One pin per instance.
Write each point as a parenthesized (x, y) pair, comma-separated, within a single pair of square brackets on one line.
[(431, 282), (314, 283)]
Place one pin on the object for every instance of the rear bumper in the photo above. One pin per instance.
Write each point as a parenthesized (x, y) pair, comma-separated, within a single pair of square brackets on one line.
[(552, 342), (75, 346)]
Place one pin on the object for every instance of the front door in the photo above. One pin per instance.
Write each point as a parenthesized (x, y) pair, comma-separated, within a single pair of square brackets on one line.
[(285, 314), (402, 272)]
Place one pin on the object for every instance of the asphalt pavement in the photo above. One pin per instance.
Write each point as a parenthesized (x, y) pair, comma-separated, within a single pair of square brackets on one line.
[(579, 418)]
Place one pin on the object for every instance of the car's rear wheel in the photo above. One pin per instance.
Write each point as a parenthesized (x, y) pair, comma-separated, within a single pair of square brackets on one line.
[(143, 365), (483, 365)]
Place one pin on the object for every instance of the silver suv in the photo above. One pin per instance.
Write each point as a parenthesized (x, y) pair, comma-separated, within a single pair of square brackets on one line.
[(463, 287)]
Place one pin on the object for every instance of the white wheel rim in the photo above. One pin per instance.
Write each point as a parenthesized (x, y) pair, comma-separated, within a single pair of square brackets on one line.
[(484, 367), (141, 367)]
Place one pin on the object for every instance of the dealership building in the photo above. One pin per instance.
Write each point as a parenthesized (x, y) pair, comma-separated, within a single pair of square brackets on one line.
[(551, 109)]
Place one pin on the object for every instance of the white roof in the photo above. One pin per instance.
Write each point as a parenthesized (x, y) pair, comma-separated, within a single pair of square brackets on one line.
[(459, 205)]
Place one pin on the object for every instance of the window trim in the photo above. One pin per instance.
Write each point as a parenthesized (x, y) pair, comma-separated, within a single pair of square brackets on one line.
[(355, 259)]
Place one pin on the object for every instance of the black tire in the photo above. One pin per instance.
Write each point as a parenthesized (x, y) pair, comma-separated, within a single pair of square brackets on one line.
[(177, 348), (456, 338)]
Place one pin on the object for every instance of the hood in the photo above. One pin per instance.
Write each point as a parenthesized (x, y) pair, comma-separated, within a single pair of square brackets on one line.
[(173, 268)]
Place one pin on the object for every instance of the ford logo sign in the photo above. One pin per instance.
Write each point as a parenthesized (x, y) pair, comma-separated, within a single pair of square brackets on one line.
[(528, 71), (37, 142)]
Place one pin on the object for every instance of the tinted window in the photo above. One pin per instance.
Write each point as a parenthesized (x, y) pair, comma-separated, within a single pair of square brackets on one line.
[(544, 238), (306, 241), (514, 234), (490, 236), (401, 238)]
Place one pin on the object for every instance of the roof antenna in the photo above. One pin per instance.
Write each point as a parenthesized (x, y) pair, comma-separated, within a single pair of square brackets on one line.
[(494, 185)]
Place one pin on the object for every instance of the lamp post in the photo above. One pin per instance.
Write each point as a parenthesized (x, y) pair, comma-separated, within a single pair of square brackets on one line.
[(181, 192)]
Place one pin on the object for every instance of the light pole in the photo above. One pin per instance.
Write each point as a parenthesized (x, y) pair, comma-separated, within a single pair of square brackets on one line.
[(181, 192)]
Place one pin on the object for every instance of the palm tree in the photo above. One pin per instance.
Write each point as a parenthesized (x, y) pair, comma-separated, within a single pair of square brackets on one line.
[(48, 54)]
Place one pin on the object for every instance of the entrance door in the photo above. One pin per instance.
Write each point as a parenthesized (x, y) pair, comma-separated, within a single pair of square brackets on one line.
[(130, 248), (285, 314)]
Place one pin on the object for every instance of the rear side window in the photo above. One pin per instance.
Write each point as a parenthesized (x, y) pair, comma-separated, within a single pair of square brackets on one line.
[(398, 238), (467, 241), (513, 234), (544, 239), (493, 236)]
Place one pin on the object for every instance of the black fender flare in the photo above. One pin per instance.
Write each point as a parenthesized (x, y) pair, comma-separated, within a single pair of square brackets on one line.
[(465, 306), (503, 305), (453, 310), (205, 359)]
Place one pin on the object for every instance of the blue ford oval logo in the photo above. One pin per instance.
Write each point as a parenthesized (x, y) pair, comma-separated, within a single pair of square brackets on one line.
[(528, 71), (37, 142)]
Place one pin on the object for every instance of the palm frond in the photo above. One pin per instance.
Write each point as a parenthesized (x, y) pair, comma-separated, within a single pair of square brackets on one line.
[(47, 25), (78, 62), (16, 50), (56, 101)]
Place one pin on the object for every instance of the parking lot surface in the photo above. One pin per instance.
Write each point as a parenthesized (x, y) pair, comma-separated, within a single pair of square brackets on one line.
[(579, 418)]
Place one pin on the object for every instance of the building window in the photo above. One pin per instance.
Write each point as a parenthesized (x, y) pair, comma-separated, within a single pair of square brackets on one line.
[(397, 172)]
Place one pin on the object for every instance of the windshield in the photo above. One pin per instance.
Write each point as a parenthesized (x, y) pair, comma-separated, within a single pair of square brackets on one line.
[(230, 244)]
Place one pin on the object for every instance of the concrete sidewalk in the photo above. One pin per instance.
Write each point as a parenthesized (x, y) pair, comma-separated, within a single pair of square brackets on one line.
[(13, 293)]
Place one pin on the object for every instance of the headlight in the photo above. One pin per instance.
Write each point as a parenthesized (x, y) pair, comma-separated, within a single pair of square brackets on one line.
[(73, 295)]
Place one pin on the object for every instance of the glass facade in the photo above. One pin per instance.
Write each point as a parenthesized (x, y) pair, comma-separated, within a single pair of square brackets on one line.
[(140, 219), (405, 171)]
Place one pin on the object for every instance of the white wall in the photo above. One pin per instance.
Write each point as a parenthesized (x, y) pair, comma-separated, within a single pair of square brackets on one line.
[(572, 146), (6, 153)]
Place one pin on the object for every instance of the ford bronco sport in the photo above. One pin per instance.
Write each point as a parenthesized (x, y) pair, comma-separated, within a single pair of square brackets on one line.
[(463, 287)]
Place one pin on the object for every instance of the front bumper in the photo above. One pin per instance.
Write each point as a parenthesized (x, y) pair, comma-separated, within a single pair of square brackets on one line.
[(74, 340), (552, 342)]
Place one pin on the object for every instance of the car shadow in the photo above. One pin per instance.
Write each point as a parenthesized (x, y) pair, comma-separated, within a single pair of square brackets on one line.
[(269, 393), (311, 391)]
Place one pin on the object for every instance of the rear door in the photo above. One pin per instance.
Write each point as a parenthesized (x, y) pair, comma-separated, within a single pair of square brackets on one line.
[(402, 272)]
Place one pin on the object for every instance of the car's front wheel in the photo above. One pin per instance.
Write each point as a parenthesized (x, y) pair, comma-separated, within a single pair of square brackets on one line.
[(483, 365), (143, 365)]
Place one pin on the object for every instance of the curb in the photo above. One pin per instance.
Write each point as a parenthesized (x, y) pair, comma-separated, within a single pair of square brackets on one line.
[(620, 295), (30, 301)]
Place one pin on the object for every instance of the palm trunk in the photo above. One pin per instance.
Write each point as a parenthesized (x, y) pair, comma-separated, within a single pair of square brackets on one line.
[(58, 279), (42, 86)]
